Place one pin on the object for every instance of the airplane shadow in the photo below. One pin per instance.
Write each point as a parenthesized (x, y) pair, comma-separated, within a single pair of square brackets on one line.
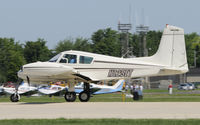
[(36, 103)]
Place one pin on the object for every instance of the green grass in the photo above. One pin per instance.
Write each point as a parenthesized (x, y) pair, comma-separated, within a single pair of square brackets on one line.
[(62, 121), (166, 90), (153, 95)]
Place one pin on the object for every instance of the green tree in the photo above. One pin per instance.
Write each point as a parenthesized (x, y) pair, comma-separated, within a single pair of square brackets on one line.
[(106, 42), (64, 45), (134, 42), (11, 59), (192, 45), (153, 41), (79, 44), (36, 51), (82, 45)]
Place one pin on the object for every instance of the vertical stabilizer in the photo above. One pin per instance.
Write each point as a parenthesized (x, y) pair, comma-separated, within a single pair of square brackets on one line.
[(172, 51), (119, 84)]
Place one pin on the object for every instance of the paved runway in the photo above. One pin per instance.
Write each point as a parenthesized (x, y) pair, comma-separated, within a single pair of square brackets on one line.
[(127, 110)]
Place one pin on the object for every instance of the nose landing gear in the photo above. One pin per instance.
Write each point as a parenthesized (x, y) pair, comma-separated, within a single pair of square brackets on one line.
[(15, 97)]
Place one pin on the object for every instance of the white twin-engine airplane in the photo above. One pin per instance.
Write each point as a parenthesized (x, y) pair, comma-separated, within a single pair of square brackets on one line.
[(77, 66)]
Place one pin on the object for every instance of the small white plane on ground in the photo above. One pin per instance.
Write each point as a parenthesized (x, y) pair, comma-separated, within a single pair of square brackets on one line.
[(23, 89), (101, 89), (1, 90), (78, 66), (94, 88), (51, 90)]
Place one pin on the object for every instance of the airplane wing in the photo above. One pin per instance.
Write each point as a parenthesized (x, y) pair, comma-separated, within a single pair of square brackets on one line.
[(51, 90), (28, 93), (21, 91)]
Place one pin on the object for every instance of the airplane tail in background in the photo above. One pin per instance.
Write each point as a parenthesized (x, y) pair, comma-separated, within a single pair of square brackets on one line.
[(119, 85), (172, 51)]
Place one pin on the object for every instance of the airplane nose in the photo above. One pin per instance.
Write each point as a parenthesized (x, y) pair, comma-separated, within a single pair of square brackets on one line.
[(44, 69)]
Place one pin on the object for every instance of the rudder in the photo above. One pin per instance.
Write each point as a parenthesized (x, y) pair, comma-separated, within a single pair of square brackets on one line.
[(172, 51)]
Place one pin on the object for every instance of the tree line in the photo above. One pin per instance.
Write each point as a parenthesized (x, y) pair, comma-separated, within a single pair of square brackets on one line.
[(104, 41)]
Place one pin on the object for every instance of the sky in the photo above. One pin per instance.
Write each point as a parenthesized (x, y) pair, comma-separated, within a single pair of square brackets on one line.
[(56, 20)]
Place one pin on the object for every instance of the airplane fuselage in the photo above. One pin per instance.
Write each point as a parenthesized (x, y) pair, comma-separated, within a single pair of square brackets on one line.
[(101, 67)]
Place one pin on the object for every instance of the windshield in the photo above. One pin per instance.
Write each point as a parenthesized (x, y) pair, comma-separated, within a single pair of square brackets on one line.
[(55, 58)]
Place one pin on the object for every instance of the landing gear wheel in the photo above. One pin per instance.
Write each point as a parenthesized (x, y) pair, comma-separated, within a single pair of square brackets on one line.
[(84, 96), (15, 97), (70, 96)]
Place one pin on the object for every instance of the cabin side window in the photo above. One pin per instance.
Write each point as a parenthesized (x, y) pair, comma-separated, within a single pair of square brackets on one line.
[(69, 58), (85, 60)]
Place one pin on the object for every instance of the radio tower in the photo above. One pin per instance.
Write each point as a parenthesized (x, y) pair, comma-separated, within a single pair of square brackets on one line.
[(143, 51), (142, 30), (124, 38)]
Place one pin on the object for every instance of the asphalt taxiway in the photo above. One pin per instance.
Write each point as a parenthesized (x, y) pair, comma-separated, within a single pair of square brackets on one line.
[(124, 110)]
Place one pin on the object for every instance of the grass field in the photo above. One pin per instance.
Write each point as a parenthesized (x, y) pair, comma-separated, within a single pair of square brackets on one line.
[(153, 95), (149, 96), (99, 122)]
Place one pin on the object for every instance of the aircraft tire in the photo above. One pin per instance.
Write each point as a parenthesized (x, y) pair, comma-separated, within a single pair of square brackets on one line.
[(14, 97), (70, 96), (84, 96)]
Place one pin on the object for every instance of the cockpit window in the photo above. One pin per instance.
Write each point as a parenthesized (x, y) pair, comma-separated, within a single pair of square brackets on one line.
[(69, 58), (85, 60), (55, 58)]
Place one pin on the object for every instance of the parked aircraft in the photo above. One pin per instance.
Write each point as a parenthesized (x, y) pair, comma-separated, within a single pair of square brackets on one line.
[(101, 89), (77, 66), (1, 90), (94, 88), (51, 90), (23, 89)]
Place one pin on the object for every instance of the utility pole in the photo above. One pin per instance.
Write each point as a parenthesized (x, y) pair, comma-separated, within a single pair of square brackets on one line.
[(195, 58)]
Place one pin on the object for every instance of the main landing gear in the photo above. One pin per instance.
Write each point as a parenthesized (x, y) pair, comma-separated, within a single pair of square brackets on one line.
[(84, 96)]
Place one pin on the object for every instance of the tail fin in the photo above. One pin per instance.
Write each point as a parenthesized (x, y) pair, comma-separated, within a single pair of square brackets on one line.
[(172, 51), (119, 84)]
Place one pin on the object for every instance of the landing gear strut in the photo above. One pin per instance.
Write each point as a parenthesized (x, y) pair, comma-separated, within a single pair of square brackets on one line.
[(70, 95), (84, 96), (15, 97)]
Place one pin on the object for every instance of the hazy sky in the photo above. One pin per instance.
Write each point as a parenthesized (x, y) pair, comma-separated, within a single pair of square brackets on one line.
[(56, 20)]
